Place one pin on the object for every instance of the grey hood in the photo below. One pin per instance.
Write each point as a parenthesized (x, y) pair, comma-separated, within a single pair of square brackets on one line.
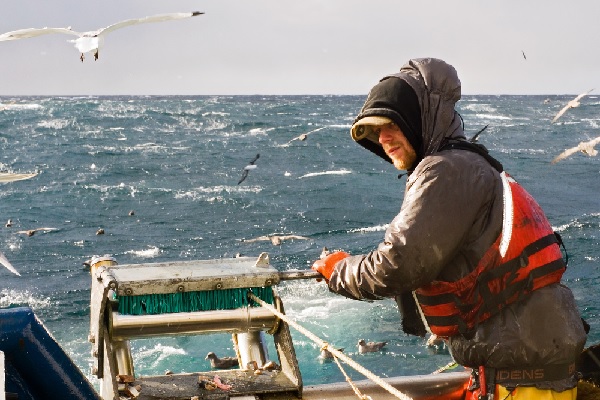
[(437, 88)]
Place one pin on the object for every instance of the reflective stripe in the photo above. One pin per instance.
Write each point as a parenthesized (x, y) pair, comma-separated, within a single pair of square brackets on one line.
[(507, 214)]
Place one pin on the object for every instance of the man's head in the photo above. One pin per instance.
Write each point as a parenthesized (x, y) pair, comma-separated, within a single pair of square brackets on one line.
[(392, 107), (391, 138)]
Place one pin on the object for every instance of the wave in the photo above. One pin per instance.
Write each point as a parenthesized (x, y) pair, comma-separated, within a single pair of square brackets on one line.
[(152, 252), (378, 228), (18, 107), (338, 172), (154, 356), (12, 298)]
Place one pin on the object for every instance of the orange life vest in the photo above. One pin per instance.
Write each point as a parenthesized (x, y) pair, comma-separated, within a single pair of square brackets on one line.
[(525, 257)]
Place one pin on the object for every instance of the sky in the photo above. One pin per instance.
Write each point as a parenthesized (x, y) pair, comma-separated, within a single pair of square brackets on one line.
[(284, 47)]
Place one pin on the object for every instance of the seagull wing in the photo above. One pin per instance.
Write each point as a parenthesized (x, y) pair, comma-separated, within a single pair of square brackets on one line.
[(9, 177), (4, 261), (34, 32), (255, 158), (561, 112), (475, 136), (565, 154), (594, 142), (144, 20), (244, 176), (582, 95)]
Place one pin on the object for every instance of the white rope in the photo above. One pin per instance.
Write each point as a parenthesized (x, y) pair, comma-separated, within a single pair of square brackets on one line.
[(326, 346), (354, 387)]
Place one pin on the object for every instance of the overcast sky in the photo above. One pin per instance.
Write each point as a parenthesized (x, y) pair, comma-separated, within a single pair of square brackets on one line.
[(302, 46)]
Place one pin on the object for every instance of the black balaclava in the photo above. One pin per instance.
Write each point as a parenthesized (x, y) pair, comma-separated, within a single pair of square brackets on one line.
[(395, 99)]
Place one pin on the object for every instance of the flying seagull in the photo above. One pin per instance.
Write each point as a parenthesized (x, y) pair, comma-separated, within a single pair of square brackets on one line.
[(10, 177), (584, 147), (476, 136), (276, 239), (248, 168), (31, 232), (303, 136), (573, 103), (92, 40), (4, 261), (523, 54)]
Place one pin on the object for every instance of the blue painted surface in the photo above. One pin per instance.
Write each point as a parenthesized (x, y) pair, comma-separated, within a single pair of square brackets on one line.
[(36, 367)]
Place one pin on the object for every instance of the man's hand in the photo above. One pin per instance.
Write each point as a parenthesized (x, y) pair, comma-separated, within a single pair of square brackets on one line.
[(325, 265)]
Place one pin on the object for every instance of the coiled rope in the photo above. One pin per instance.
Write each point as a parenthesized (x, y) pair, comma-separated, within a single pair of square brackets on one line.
[(324, 345)]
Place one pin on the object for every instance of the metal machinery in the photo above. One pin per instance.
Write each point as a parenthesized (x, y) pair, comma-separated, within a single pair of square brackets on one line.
[(111, 331)]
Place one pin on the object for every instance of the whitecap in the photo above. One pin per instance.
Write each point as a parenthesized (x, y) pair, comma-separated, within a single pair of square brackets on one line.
[(9, 298), (17, 107), (378, 228), (153, 251), (159, 353), (338, 172)]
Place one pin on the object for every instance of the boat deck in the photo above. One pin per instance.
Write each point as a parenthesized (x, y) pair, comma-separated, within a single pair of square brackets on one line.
[(275, 386)]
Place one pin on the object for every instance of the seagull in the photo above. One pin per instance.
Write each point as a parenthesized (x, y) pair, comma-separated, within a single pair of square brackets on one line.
[(584, 147), (8, 223), (573, 103), (248, 168), (92, 40), (221, 363), (4, 261), (276, 239), (476, 136), (523, 54), (303, 136), (31, 232), (327, 355), (370, 347), (10, 177)]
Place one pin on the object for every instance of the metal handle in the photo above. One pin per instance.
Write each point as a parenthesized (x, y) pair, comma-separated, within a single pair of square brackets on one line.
[(299, 274)]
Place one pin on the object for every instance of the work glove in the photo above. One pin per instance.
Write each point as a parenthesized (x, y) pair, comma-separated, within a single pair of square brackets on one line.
[(326, 265)]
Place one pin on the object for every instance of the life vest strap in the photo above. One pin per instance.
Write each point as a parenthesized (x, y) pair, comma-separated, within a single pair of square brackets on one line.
[(494, 302), (517, 262)]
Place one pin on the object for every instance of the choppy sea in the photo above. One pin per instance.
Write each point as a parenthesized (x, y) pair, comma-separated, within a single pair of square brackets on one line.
[(176, 162)]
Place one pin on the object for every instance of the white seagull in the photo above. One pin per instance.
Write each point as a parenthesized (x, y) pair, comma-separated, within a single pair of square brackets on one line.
[(584, 147), (303, 136), (571, 104), (11, 177), (92, 40), (4, 261)]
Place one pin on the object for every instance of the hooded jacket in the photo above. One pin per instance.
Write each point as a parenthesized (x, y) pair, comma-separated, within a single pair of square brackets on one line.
[(450, 216)]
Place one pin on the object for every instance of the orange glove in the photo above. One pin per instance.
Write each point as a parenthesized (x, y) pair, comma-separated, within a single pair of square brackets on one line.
[(325, 266)]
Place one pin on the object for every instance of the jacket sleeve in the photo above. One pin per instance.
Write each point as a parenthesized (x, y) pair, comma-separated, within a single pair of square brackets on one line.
[(446, 199)]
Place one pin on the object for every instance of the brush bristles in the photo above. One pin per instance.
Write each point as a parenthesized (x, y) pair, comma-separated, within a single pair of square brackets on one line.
[(225, 299)]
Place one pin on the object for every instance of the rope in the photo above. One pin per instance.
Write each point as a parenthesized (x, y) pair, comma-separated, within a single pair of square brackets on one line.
[(336, 353), (450, 365), (354, 387)]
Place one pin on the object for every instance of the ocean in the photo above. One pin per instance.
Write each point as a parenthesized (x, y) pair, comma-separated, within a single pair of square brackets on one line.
[(176, 162)]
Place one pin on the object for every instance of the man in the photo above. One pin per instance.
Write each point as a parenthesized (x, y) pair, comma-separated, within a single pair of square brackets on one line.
[(470, 256)]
